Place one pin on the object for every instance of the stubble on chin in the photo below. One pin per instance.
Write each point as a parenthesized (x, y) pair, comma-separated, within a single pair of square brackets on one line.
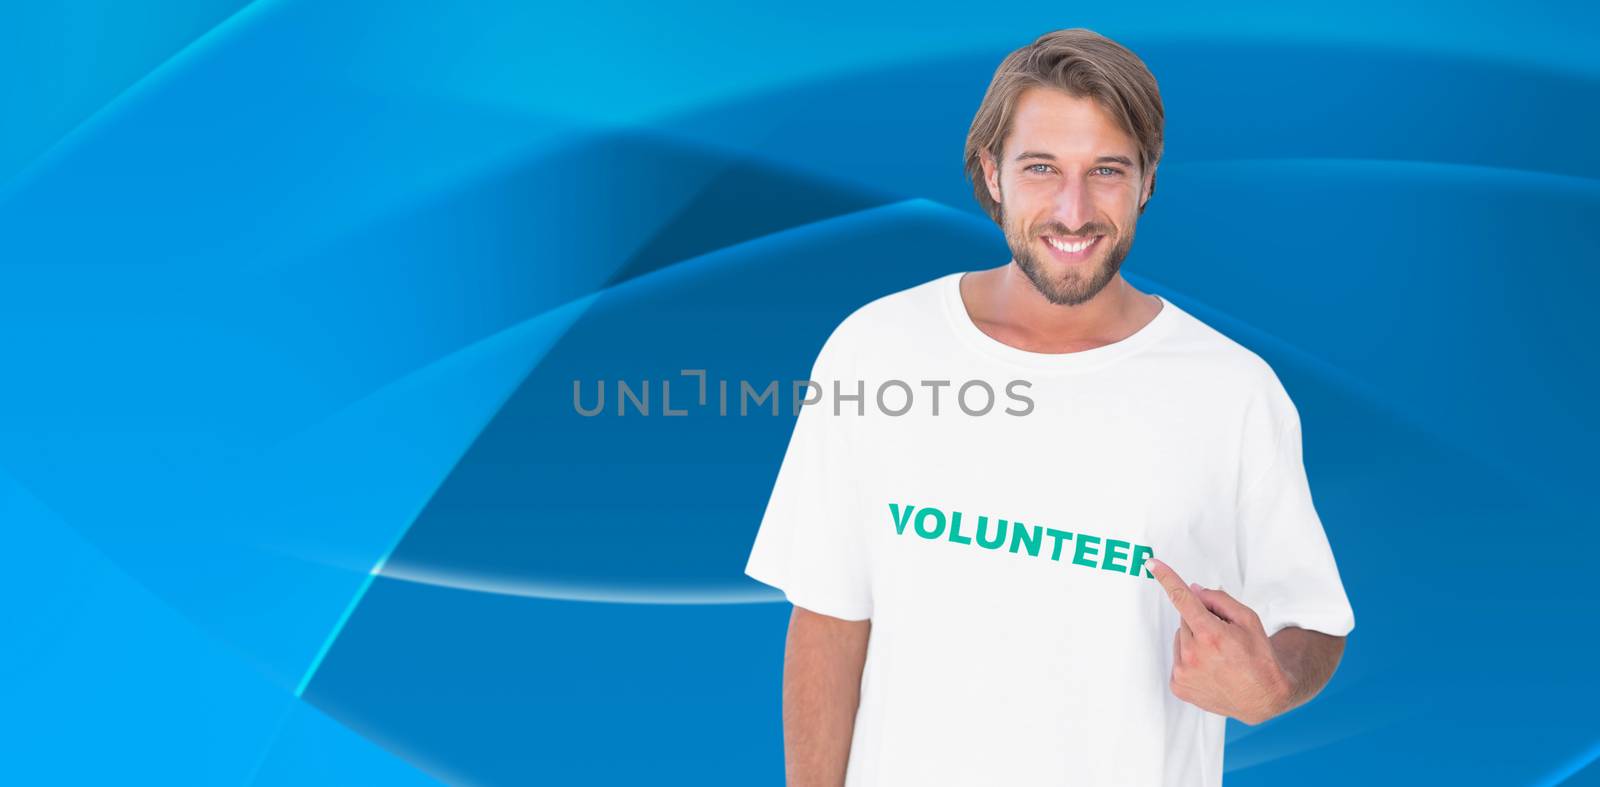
[(1073, 286)]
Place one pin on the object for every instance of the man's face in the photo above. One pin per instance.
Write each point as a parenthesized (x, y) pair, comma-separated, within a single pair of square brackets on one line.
[(1067, 173)]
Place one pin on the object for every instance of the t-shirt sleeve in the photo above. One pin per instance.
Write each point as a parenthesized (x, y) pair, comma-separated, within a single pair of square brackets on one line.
[(810, 543), (1286, 563)]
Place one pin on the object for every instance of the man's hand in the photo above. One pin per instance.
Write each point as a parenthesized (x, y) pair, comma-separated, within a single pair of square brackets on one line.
[(1222, 660)]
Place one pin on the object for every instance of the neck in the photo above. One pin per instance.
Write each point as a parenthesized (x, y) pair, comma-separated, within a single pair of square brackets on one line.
[(1014, 304)]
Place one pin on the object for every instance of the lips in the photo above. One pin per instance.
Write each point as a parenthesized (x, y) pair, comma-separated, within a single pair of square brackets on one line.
[(1072, 249)]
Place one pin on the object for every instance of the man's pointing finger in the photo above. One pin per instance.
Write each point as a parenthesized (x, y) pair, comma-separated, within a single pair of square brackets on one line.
[(1190, 607)]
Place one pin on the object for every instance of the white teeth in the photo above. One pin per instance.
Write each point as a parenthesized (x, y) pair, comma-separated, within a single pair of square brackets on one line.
[(1072, 248)]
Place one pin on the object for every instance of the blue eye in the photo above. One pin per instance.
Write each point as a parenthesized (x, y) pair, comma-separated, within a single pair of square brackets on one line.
[(1041, 168)]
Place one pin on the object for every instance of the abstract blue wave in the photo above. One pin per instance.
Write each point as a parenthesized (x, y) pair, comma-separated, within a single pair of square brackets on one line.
[(292, 296)]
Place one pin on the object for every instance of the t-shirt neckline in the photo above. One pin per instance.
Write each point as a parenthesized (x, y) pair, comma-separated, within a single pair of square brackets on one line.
[(1093, 358)]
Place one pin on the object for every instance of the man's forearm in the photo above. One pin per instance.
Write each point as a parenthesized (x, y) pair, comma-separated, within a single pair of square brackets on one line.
[(822, 667), (1308, 658)]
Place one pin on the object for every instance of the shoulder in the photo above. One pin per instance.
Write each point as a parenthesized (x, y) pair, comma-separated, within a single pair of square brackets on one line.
[(1229, 367), (1223, 355)]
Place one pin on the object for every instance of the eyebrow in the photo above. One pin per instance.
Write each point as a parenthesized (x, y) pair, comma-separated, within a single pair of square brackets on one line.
[(1027, 154)]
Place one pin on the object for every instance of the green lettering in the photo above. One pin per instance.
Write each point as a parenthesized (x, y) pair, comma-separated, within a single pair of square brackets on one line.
[(999, 536), (1110, 554), (1113, 553), (899, 519), (1023, 537), (955, 529), (1059, 536), (1140, 552), (1086, 547)]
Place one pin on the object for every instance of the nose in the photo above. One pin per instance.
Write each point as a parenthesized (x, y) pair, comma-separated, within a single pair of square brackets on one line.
[(1074, 203)]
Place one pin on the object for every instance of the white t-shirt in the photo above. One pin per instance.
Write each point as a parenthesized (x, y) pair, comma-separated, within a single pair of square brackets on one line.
[(1016, 639)]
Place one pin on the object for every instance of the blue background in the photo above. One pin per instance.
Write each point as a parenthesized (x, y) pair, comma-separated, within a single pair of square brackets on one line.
[(292, 295)]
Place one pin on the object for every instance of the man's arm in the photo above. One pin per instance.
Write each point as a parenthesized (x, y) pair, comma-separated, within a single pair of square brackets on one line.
[(1308, 659), (822, 666)]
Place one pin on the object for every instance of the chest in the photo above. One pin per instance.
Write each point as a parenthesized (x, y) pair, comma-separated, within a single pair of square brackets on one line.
[(988, 519)]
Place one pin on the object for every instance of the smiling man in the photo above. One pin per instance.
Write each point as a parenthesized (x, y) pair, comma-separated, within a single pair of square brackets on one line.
[(1064, 644)]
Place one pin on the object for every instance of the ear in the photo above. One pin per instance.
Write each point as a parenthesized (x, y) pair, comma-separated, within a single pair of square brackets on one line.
[(991, 175), (1148, 188)]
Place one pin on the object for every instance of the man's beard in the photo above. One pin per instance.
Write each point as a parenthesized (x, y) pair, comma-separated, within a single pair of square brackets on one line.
[(1074, 286)]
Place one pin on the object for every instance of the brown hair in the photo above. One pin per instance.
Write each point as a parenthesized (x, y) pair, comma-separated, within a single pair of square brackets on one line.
[(1084, 64)]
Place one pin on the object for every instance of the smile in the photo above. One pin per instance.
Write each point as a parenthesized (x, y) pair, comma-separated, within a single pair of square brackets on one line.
[(1073, 250)]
